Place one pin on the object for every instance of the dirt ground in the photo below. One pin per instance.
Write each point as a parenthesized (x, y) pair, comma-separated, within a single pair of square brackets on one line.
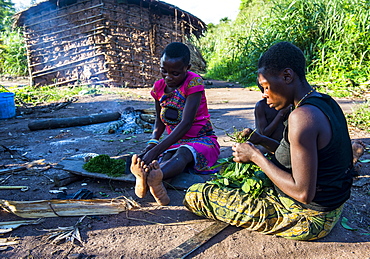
[(152, 230)]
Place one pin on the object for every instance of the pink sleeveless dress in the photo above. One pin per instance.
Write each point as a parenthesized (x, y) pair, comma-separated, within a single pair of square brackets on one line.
[(200, 139)]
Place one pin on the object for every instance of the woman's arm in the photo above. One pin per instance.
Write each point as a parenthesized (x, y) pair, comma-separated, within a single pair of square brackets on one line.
[(303, 135), (188, 116), (258, 139), (260, 117), (159, 127), (269, 129)]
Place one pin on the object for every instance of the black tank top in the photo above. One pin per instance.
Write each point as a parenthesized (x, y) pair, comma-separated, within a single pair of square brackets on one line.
[(334, 176)]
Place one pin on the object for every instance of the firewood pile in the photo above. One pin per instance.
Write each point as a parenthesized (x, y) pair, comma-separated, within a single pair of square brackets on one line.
[(103, 42)]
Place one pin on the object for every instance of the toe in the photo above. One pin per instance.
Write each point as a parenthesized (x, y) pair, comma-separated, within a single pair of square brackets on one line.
[(134, 159), (155, 164)]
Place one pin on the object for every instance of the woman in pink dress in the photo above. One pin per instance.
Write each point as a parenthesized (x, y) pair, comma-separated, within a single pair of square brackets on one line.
[(181, 110)]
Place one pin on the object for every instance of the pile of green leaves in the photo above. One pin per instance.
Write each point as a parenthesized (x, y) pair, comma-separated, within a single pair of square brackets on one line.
[(246, 176), (105, 165)]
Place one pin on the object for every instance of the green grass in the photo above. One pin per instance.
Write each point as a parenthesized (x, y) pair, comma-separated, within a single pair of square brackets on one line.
[(360, 117), (13, 58), (333, 35), (45, 94)]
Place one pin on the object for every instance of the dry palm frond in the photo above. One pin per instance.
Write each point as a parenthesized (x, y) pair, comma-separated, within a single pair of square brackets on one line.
[(53, 208), (131, 203), (68, 234), (5, 242), (169, 224), (8, 226), (21, 167)]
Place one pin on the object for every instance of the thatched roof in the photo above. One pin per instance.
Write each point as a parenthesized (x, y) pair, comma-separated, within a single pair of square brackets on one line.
[(156, 6)]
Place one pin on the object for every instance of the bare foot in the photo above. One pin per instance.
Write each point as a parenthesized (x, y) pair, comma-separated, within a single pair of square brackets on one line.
[(139, 169), (156, 186)]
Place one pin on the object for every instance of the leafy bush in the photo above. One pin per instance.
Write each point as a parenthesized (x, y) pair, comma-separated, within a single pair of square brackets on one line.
[(13, 59), (6, 12), (333, 34)]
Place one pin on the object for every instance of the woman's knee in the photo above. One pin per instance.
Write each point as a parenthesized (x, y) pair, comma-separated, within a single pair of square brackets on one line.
[(194, 198), (194, 193), (184, 154), (184, 151)]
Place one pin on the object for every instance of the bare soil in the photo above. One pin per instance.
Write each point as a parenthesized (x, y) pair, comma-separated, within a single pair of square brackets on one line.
[(152, 230)]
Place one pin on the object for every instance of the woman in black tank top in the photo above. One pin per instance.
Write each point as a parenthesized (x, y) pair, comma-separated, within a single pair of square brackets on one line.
[(311, 169)]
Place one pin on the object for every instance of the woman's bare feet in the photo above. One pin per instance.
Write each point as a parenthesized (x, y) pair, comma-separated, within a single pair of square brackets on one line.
[(139, 169), (155, 183)]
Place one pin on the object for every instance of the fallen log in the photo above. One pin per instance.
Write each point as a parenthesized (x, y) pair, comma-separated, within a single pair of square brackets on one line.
[(73, 121), (64, 178), (9, 187)]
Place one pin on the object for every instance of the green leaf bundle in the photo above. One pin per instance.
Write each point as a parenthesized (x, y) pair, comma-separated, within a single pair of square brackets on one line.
[(105, 165), (246, 176)]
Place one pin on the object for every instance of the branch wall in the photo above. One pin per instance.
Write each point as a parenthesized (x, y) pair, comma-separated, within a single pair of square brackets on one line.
[(105, 42)]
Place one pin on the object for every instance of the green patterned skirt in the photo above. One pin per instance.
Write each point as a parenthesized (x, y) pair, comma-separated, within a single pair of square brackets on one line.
[(270, 213)]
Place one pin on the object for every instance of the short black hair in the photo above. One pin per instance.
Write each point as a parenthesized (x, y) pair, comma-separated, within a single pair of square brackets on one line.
[(177, 50), (283, 55)]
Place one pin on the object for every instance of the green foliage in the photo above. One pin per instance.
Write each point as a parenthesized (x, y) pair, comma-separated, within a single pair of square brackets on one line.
[(240, 136), (105, 165), (13, 59), (43, 94), (12, 49), (6, 12), (333, 34), (246, 176), (360, 117)]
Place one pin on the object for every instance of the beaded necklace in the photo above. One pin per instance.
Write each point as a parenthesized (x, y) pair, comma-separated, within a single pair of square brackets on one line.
[(307, 94)]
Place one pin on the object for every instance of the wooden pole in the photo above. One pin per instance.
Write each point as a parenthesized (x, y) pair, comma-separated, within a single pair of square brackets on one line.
[(73, 121)]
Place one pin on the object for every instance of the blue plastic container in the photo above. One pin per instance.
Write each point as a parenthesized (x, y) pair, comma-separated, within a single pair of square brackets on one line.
[(7, 106)]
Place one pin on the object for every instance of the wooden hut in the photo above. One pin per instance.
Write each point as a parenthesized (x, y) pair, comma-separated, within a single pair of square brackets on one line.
[(105, 42)]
